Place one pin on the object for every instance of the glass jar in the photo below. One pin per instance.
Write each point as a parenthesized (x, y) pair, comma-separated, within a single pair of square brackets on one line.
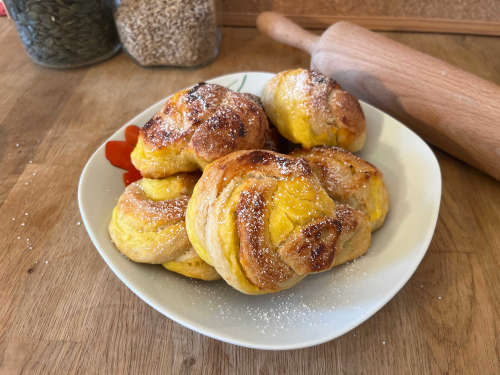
[(179, 33), (65, 33)]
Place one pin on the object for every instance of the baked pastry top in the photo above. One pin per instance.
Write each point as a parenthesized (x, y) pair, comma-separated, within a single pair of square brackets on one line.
[(311, 109), (147, 224), (260, 219), (264, 221), (349, 179), (195, 127)]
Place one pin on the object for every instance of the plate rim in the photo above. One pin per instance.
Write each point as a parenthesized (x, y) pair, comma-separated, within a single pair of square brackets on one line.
[(202, 329)]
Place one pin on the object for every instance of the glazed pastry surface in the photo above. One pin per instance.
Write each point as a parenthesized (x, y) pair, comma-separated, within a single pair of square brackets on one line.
[(197, 126), (147, 224), (311, 109), (264, 221), (349, 179)]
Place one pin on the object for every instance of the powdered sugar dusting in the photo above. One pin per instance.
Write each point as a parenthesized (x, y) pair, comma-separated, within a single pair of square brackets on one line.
[(309, 305)]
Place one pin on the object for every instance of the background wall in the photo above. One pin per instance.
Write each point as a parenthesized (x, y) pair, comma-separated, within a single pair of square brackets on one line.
[(455, 16)]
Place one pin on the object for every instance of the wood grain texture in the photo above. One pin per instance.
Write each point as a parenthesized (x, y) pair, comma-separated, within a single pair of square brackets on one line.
[(450, 108), (434, 25), (450, 16), (453, 110), (485, 10), (72, 315)]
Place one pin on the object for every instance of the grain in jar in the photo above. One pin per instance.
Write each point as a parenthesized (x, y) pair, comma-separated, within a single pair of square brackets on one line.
[(168, 32), (65, 33)]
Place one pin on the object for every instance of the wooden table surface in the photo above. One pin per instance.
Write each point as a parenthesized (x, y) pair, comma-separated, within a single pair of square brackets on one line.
[(62, 310)]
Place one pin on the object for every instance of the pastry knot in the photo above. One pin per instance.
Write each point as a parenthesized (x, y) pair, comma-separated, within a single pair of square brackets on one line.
[(264, 221)]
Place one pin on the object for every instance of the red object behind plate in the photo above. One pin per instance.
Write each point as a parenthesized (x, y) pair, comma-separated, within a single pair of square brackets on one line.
[(118, 154), (3, 12), (131, 134), (131, 176)]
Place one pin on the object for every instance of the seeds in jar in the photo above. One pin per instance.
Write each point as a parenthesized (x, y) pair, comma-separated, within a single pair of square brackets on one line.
[(65, 33), (168, 32)]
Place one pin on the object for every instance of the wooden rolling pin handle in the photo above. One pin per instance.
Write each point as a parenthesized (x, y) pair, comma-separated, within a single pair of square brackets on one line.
[(285, 31), (450, 108)]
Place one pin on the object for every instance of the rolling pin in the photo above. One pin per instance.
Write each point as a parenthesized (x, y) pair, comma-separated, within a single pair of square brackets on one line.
[(450, 108)]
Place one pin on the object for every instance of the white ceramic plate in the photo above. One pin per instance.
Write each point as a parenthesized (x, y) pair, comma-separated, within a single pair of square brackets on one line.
[(323, 306)]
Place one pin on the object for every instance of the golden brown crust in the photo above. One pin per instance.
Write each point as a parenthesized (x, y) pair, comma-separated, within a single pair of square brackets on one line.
[(134, 202), (149, 231), (197, 126), (235, 218), (259, 162), (328, 242), (148, 225), (313, 248), (191, 265), (267, 162), (261, 264), (349, 179), (312, 109)]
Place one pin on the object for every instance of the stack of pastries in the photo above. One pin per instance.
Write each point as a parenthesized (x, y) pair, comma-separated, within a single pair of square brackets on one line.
[(259, 191)]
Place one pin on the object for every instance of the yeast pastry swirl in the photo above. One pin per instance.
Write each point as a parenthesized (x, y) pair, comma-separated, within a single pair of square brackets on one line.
[(349, 179), (148, 225), (264, 221), (196, 126), (312, 109)]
